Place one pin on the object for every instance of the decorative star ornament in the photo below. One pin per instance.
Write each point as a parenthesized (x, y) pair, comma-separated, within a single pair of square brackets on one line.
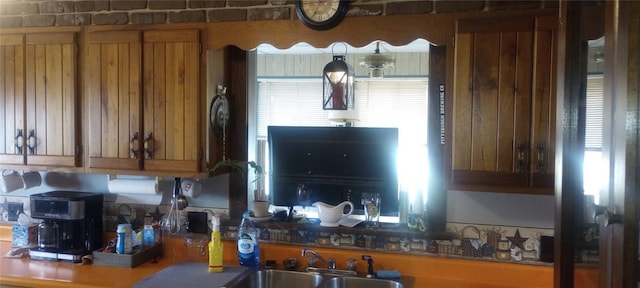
[(517, 241), (156, 216)]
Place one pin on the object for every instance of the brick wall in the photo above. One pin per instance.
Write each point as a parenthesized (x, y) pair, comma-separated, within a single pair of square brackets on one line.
[(39, 13)]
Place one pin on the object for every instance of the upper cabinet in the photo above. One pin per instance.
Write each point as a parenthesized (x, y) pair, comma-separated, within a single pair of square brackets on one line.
[(143, 101), (503, 116), (38, 123)]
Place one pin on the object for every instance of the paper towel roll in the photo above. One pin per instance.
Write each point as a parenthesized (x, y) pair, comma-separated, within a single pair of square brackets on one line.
[(135, 190)]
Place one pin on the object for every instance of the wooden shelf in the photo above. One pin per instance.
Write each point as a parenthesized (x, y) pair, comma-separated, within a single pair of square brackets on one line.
[(387, 229)]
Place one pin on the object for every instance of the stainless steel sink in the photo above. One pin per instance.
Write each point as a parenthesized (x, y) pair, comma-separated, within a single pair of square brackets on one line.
[(334, 272), (355, 282), (280, 278)]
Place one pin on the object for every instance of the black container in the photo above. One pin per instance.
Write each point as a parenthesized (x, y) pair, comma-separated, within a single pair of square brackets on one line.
[(546, 249), (71, 224)]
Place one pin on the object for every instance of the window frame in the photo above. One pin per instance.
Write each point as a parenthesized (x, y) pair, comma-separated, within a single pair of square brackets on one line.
[(372, 99)]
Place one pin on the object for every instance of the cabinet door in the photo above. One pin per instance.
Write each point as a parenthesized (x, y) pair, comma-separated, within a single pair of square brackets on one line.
[(171, 61), (51, 99), (114, 96), (544, 103), (12, 145), (500, 102)]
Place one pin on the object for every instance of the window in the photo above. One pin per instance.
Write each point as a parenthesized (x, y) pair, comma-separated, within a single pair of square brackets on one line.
[(593, 175), (398, 100)]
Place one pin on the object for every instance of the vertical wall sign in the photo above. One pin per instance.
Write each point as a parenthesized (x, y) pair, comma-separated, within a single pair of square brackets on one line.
[(442, 114)]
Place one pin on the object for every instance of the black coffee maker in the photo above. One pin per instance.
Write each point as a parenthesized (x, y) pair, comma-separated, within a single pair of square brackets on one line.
[(71, 225)]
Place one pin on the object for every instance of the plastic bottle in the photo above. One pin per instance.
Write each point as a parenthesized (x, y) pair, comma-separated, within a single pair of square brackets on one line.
[(248, 252), (215, 246), (124, 245), (148, 235)]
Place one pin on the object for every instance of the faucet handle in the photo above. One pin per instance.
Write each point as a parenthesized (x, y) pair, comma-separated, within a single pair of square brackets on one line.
[(352, 264), (332, 263)]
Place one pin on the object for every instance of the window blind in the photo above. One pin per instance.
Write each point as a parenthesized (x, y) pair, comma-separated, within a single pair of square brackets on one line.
[(594, 112), (396, 102)]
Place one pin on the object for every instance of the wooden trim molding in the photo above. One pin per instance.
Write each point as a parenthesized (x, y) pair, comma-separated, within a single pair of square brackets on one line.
[(357, 31), (396, 30)]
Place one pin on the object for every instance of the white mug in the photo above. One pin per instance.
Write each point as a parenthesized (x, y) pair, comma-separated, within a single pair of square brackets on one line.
[(11, 181), (31, 179), (191, 188)]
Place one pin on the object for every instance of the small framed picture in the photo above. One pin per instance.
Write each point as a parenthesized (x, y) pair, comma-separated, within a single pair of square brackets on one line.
[(503, 244), (529, 254)]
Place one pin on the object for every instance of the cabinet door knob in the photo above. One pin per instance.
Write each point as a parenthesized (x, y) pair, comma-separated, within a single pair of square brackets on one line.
[(31, 142), (541, 164), (521, 166), (133, 145), (149, 146), (18, 141)]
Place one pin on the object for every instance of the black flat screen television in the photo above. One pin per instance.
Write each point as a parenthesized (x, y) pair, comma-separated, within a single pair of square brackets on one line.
[(336, 163)]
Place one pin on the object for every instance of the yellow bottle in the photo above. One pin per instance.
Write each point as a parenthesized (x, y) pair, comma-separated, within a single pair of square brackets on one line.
[(215, 246)]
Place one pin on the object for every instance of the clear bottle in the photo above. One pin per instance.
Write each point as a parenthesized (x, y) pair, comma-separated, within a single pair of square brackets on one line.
[(248, 251), (215, 246)]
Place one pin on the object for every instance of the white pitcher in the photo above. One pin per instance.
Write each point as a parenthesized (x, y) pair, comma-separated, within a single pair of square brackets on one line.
[(330, 215)]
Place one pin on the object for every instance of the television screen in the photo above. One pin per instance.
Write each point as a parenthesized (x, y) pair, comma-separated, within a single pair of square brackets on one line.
[(334, 163)]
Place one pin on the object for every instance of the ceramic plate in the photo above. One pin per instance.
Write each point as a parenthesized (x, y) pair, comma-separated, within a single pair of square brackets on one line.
[(261, 219), (298, 216)]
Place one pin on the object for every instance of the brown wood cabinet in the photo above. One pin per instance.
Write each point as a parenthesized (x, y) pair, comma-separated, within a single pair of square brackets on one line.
[(143, 99), (38, 92), (503, 105)]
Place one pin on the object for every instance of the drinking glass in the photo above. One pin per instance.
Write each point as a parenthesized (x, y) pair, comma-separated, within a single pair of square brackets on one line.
[(303, 195), (371, 202)]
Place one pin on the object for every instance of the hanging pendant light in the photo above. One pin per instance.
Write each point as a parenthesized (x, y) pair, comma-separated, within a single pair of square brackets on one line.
[(338, 84), (377, 62)]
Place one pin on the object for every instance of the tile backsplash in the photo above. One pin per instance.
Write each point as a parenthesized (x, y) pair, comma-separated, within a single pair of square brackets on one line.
[(477, 241), (480, 242)]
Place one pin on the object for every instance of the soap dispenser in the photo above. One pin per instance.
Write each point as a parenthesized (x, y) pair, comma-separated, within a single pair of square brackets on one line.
[(215, 246)]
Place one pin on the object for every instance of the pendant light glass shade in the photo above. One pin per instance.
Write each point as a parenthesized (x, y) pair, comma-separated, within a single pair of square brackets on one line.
[(377, 62), (338, 85)]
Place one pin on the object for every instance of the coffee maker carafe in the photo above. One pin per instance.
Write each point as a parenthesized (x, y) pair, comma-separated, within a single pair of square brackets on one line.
[(71, 225), (48, 234)]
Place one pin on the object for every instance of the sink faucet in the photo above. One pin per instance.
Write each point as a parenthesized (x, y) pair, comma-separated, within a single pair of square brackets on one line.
[(331, 263)]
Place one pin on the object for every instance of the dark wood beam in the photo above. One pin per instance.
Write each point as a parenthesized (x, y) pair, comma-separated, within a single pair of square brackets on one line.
[(437, 204), (238, 136), (569, 142)]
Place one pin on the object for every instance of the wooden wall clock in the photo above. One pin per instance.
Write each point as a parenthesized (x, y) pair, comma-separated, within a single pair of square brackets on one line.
[(321, 14)]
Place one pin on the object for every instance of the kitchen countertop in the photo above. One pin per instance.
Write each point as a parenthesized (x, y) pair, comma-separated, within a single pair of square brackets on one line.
[(192, 275), (39, 273), (25, 272)]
